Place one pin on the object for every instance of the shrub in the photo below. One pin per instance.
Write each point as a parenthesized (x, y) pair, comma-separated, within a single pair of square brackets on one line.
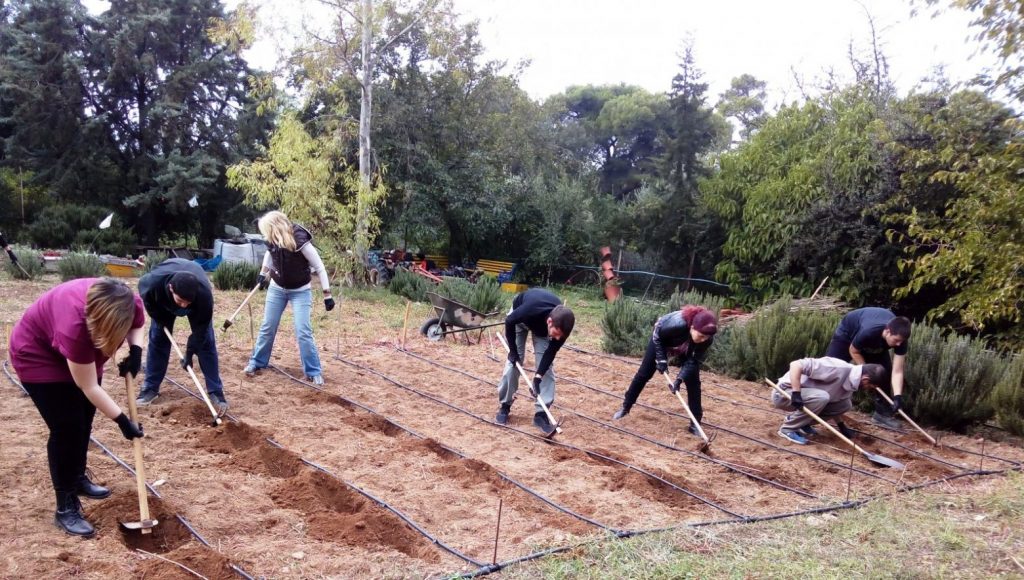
[(152, 260), (628, 324), (1008, 397), (765, 345), (950, 379), (31, 261), (412, 286), (485, 296), (78, 265), (235, 276), (66, 226)]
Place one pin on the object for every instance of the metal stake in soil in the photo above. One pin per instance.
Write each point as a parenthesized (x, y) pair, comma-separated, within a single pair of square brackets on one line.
[(849, 478), (252, 331), (497, 529), (405, 323), (981, 462)]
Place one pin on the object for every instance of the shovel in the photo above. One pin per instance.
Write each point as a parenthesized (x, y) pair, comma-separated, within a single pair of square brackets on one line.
[(227, 323), (879, 460), (909, 420), (195, 379), (523, 374), (145, 523), (700, 431)]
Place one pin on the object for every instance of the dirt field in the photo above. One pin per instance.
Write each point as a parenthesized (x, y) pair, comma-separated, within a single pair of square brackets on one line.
[(295, 485)]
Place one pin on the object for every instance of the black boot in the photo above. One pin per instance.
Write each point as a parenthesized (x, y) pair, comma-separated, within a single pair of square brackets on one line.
[(69, 515), (622, 412), (540, 421), (91, 490), (502, 417)]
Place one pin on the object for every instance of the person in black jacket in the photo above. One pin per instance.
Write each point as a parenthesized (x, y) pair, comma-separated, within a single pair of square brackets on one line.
[(541, 313), (7, 248), (177, 287), (686, 333)]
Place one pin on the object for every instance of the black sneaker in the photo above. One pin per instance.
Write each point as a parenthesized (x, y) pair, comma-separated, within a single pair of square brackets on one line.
[(502, 417), (845, 430), (540, 421), (146, 398)]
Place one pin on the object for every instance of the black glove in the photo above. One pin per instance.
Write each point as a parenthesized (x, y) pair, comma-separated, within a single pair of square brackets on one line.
[(10, 254), (262, 282), (674, 387), (128, 429), (131, 363), (897, 404), (536, 385), (329, 304), (846, 431), (514, 358), (662, 366), (3, 241), (797, 399)]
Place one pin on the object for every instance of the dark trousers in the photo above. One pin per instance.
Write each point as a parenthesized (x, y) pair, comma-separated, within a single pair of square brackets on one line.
[(160, 349), (840, 349), (68, 414), (690, 374)]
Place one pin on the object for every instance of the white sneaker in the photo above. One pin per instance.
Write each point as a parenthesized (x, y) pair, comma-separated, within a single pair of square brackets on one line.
[(317, 380)]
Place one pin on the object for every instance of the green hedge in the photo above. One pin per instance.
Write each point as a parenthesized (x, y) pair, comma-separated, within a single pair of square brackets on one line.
[(1008, 397), (235, 276), (412, 286), (628, 324), (154, 259), (31, 261), (78, 265), (485, 296)]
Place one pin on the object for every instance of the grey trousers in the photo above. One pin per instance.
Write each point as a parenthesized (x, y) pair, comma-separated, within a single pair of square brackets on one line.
[(510, 378), (816, 400)]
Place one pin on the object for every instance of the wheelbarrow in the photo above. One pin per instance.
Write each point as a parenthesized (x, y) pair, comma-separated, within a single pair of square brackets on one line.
[(452, 318)]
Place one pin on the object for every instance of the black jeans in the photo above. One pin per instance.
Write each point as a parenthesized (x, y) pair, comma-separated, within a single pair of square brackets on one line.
[(840, 349), (68, 414), (691, 378)]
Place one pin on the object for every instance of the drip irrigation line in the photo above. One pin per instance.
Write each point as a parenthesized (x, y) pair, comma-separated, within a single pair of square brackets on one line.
[(906, 448), (590, 453), (122, 463), (437, 542), (727, 465), (12, 379), (456, 452), (633, 362)]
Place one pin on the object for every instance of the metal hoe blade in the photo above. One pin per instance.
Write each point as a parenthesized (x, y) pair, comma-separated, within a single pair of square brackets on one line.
[(883, 461)]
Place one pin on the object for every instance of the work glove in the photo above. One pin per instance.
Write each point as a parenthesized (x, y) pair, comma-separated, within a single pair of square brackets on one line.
[(845, 430), (129, 429), (897, 404), (535, 391), (662, 366), (262, 281), (131, 363), (329, 304), (674, 386), (797, 399), (514, 358)]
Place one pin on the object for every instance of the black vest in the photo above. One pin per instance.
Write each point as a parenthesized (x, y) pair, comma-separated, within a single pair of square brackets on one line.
[(290, 270)]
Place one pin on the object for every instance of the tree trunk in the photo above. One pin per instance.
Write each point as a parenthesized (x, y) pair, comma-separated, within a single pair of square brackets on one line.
[(365, 110)]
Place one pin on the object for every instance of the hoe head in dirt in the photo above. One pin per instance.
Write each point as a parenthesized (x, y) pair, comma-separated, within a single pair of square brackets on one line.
[(145, 523), (706, 443)]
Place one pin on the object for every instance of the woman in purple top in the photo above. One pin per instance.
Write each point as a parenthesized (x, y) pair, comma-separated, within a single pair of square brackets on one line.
[(58, 349)]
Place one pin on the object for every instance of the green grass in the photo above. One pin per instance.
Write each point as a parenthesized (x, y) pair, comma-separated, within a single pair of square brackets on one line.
[(936, 533)]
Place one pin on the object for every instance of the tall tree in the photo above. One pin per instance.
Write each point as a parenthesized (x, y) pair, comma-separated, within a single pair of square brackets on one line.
[(744, 102)]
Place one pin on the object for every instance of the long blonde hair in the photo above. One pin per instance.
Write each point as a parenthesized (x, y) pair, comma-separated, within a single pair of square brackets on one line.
[(277, 229), (109, 313)]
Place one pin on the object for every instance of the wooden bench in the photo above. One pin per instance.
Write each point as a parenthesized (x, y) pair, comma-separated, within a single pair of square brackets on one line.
[(503, 271), (440, 261)]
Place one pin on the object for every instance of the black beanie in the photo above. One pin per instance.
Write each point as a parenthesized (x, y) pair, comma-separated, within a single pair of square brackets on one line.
[(186, 285)]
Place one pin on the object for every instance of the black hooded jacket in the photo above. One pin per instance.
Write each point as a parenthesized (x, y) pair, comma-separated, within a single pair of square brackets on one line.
[(160, 304)]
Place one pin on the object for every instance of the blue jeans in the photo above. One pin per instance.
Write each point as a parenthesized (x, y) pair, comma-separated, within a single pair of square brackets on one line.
[(302, 303), (160, 349)]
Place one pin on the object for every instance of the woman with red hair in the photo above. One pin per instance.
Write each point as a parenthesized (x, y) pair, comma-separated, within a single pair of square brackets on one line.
[(686, 333)]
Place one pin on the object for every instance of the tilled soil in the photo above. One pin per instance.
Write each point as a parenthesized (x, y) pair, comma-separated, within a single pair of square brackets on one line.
[(299, 481)]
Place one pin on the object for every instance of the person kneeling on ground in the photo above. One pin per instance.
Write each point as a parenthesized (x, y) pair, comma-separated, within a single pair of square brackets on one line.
[(686, 333), (825, 386), (58, 349), (541, 313), (177, 287), (866, 335)]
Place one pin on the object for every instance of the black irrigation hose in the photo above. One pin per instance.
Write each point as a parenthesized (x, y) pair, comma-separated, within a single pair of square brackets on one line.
[(626, 360), (388, 507), (590, 453), (456, 452), (238, 569), (906, 448), (122, 463), (725, 464)]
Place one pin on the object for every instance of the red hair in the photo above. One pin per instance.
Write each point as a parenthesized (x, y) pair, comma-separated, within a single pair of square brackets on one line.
[(691, 310)]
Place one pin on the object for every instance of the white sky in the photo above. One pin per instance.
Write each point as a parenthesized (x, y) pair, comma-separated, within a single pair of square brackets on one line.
[(639, 41)]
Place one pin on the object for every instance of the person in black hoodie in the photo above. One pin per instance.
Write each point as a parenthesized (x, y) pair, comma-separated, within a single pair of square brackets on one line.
[(541, 313), (177, 287), (686, 333)]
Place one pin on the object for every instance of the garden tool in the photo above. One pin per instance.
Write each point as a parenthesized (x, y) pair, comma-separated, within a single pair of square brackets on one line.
[(700, 431), (909, 420), (145, 523), (524, 375), (195, 379), (227, 323)]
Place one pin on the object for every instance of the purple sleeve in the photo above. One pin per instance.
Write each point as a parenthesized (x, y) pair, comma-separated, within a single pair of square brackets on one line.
[(140, 313)]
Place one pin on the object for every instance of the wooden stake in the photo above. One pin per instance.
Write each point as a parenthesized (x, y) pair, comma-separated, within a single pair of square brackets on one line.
[(337, 342), (497, 529), (849, 478), (820, 286), (981, 463), (405, 323)]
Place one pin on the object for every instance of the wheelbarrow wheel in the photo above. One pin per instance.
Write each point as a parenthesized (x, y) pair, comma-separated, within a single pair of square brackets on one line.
[(432, 329)]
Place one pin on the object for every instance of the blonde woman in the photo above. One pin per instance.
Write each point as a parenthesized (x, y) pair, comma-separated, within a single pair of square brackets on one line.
[(289, 260), (58, 349)]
